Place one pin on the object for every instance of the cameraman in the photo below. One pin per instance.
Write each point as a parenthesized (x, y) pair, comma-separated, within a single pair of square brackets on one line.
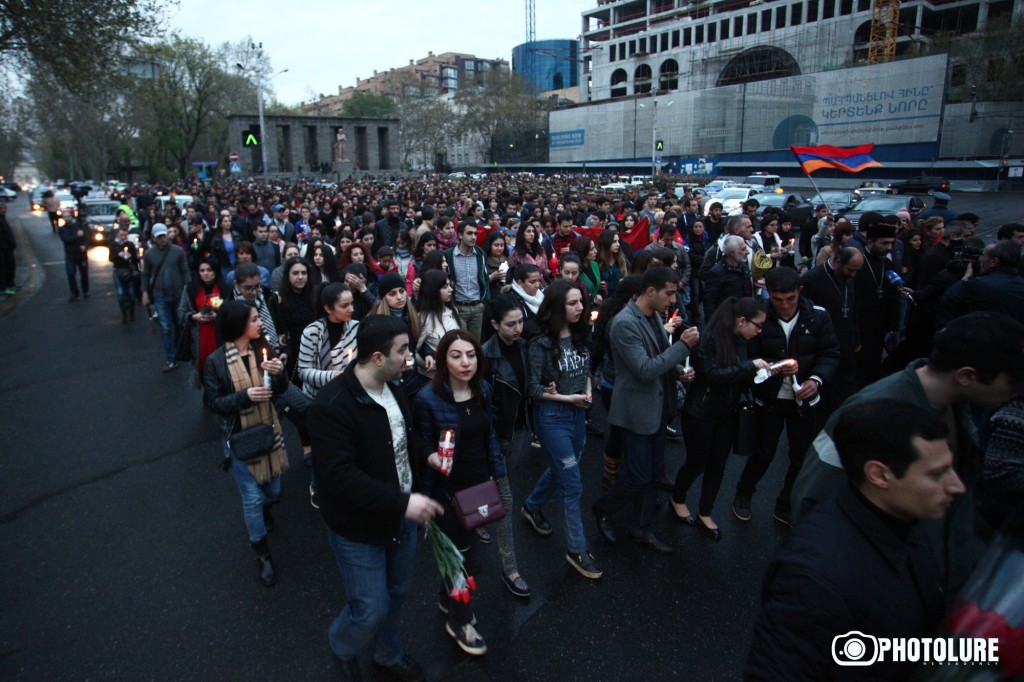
[(998, 287), (937, 257)]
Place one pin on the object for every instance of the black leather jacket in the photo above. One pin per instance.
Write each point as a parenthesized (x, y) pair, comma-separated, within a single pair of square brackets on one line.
[(718, 390), (508, 398)]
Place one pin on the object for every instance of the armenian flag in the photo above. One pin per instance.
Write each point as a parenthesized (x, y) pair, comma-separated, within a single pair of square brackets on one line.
[(848, 159)]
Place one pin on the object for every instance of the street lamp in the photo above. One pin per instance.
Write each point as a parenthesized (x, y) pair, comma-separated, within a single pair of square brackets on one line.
[(654, 130), (258, 72)]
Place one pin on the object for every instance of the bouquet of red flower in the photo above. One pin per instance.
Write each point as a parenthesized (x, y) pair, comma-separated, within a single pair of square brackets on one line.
[(450, 564)]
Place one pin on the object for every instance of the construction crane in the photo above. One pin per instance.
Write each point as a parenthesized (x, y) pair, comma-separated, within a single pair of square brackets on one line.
[(885, 22), (531, 21)]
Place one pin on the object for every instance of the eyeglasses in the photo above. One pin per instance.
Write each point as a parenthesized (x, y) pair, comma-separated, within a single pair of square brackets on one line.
[(759, 326), (248, 288)]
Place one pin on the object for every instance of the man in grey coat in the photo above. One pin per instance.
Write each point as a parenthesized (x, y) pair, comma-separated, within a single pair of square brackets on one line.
[(646, 363), (164, 275)]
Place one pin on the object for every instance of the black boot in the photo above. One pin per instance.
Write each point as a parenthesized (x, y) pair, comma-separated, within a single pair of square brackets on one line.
[(264, 563)]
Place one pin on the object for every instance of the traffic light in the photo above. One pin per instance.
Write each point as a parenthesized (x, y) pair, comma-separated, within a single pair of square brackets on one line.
[(659, 146), (250, 138)]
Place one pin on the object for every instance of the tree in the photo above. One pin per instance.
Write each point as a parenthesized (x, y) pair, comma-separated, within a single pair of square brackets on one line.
[(74, 41), (500, 105), (368, 105)]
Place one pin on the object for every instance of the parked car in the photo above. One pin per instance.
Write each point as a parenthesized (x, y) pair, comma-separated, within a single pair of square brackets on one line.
[(766, 182), (837, 201), (865, 192), (7, 194), (888, 205), (921, 184), (732, 199), (716, 186), (795, 206)]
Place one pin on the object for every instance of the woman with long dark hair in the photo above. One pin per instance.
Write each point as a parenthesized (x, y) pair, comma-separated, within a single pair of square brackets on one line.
[(235, 383), (528, 250), (425, 245), (559, 386), (298, 306), (610, 260), (590, 271), (324, 268), (437, 315), (198, 308), (458, 399), (223, 243), (711, 410)]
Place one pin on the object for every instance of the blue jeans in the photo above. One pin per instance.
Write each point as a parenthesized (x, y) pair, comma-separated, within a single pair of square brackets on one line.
[(254, 496), (166, 310), (125, 293), (377, 581), (561, 429), (76, 269)]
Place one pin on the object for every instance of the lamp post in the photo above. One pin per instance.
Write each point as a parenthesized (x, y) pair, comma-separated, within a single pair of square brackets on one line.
[(654, 130), (257, 71)]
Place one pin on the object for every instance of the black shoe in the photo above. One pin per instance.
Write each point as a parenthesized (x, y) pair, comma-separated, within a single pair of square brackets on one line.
[(350, 671), (484, 536), (264, 562), (442, 606), (650, 539), (709, 533), (537, 520), (783, 516), (605, 526), (584, 563), (517, 586), (672, 434), (73, 298), (268, 519), (406, 669), (741, 507), (170, 366), (468, 639), (593, 429), (86, 294), (688, 520)]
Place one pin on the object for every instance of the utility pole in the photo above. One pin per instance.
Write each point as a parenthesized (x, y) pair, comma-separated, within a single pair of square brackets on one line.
[(257, 71)]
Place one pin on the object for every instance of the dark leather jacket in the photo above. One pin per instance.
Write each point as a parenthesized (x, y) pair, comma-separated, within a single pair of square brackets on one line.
[(508, 398), (718, 390)]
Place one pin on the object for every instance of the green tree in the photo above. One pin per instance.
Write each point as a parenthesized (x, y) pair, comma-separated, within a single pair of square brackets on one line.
[(72, 40), (368, 105), (499, 106)]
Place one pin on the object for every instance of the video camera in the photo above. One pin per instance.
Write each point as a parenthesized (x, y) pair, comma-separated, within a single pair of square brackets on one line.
[(965, 252)]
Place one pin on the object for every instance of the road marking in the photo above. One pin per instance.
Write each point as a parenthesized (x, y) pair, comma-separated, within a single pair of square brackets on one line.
[(53, 262)]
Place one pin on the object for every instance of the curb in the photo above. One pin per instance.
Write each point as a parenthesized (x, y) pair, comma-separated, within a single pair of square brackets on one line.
[(27, 261)]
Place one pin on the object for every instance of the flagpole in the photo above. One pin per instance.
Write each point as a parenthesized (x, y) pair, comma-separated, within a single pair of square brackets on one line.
[(815, 186)]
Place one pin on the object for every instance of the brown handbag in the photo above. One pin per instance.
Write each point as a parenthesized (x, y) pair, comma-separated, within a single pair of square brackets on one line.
[(478, 505)]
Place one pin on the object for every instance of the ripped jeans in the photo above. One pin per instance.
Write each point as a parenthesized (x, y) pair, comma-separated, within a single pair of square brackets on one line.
[(561, 430)]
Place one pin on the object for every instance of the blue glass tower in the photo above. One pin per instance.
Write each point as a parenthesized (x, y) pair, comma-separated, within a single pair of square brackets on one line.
[(548, 64)]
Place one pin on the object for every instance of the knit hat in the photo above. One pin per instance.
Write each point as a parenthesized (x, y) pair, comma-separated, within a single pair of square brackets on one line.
[(388, 282)]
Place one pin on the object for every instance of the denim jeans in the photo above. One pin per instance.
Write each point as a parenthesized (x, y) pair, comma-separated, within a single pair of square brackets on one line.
[(76, 269), (254, 496), (125, 293), (561, 429), (377, 581), (166, 310)]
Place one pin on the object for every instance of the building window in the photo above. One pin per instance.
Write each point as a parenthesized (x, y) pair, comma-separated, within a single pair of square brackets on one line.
[(642, 80), (687, 37), (758, 64), (611, 54), (698, 35), (829, 9), (751, 24), (641, 45), (619, 83), (668, 75), (845, 7), (766, 20), (653, 45), (632, 48), (737, 27), (712, 32), (664, 42), (780, 17), (622, 50), (725, 29), (812, 10), (795, 14), (863, 5), (469, 65), (675, 38)]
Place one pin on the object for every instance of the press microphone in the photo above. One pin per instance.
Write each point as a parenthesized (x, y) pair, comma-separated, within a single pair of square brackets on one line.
[(894, 279)]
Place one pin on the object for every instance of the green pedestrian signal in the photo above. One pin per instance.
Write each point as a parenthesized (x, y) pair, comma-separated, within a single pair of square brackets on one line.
[(659, 146), (250, 139)]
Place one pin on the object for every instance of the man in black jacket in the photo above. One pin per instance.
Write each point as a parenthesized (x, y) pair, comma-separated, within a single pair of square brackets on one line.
[(858, 564), (366, 466), (730, 277), (998, 288), (798, 331), (76, 260)]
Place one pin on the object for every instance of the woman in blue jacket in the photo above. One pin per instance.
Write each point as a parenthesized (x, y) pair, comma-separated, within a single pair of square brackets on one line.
[(459, 399)]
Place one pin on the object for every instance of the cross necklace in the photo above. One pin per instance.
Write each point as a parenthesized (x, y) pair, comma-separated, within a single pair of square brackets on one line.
[(845, 292)]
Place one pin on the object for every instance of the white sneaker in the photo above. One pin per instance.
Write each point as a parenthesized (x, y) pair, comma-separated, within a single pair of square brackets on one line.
[(468, 639)]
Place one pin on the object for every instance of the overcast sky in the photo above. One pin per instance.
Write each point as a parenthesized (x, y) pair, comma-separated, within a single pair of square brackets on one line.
[(325, 43)]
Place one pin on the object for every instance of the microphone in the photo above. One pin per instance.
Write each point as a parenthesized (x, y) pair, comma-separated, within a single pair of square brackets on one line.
[(894, 279)]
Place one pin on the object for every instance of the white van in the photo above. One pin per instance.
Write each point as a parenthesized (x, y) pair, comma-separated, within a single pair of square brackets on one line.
[(763, 182)]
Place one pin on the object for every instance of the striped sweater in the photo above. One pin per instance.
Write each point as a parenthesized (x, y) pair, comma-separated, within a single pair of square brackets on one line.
[(317, 361)]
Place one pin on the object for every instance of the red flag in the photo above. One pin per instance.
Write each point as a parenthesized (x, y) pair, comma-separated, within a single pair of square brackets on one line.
[(639, 237)]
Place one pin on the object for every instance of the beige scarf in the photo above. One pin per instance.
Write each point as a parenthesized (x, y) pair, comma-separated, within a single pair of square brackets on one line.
[(276, 463)]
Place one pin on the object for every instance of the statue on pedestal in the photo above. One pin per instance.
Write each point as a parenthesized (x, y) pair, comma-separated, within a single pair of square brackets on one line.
[(339, 146)]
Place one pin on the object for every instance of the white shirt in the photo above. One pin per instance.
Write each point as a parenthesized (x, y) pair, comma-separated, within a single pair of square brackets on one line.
[(786, 390), (397, 422)]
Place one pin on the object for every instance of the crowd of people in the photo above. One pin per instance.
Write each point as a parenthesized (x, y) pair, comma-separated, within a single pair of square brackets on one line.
[(378, 316)]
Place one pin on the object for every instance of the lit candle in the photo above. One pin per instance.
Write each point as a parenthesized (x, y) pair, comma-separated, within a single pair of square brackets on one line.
[(675, 314), (593, 317), (266, 374), (686, 365)]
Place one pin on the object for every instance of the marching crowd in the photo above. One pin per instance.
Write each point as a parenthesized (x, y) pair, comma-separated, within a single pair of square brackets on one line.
[(382, 318)]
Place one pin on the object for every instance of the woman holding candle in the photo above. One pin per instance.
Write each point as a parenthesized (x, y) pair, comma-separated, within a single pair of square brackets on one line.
[(298, 309), (235, 383), (458, 399), (223, 245), (560, 360), (610, 260), (529, 250), (710, 411), (125, 260), (198, 308)]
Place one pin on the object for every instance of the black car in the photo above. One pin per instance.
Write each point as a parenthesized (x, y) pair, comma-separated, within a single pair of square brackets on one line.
[(838, 201), (887, 205), (795, 206), (921, 184)]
